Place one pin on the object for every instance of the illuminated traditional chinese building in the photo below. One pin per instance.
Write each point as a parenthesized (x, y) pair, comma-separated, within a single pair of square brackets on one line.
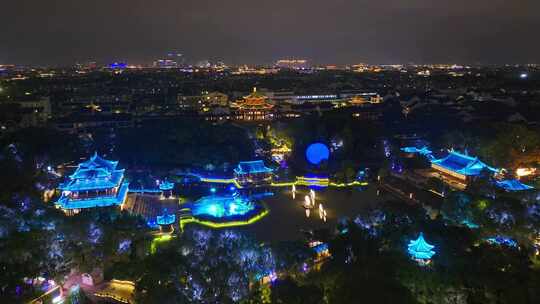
[(254, 107), (167, 188), (460, 167), (420, 250), (359, 100), (253, 173), (362, 99), (96, 183)]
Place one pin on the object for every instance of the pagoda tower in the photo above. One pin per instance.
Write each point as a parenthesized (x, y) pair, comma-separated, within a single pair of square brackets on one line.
[(420, 250), (96, 183), (254, 107)]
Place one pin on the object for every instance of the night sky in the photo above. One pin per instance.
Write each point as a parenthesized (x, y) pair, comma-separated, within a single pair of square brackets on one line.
[(251, 31)]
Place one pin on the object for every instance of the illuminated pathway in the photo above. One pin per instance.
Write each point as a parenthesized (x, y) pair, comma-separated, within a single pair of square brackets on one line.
[(161, 237)]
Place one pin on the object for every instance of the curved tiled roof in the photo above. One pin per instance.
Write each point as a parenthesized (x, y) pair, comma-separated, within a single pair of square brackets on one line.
[(463, 164), (247, 167), (97, 161), (420, 249), (513, 185), (255, 100)]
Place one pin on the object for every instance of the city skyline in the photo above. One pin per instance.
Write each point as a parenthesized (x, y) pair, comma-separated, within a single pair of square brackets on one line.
[(238, 32)]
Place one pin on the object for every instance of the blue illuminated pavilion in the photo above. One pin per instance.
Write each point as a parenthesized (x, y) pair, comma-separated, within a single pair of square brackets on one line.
[(96, 183), (252, 167), (165, 219), (166, 186), (461, 166), (420, 250), (253, 173)]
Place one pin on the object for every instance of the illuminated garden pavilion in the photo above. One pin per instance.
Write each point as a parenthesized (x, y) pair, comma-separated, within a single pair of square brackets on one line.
[(460, 166), (96, 183), (420, 250), (253, 173)]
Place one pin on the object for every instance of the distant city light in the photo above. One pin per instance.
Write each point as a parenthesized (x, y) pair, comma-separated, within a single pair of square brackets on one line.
[(117, 65), (523, 75)]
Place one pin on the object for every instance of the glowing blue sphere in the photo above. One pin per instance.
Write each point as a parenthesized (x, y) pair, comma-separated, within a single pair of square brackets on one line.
[(317, 152)]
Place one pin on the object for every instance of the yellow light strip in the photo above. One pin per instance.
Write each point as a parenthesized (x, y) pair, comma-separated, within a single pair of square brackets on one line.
[(300, 181), (122, 282), (318, 182), (288, 184), (111, 296), (160, 239), (210, 224), (222, 181)]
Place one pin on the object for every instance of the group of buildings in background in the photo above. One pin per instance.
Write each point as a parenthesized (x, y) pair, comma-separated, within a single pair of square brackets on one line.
[(119, 95), (80, 112)]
